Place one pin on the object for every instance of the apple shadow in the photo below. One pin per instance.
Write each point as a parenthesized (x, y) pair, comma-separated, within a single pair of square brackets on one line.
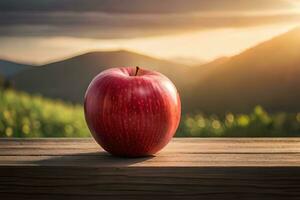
[(96, 159)]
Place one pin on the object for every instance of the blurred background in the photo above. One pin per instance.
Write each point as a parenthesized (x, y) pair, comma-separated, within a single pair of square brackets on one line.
[(236, 64)]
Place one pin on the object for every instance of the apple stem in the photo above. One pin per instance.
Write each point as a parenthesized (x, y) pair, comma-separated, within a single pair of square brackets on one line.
[(137, 69)]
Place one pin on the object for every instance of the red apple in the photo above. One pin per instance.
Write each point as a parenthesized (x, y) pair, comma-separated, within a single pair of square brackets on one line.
[(132, 112)]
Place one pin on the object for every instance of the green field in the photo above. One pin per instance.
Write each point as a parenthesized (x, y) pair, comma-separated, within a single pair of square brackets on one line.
[(258, 123), (23, 115)]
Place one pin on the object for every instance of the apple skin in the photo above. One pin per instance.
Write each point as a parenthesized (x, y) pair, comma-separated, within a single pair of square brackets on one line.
[(132, 115)]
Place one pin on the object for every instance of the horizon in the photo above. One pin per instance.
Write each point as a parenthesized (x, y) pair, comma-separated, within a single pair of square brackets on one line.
[(190, 34), (174, 60)]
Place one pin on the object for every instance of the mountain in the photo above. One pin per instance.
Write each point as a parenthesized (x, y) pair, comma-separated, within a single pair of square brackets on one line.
[(8, 68), (68, 79), (204, 70), (267, 74)]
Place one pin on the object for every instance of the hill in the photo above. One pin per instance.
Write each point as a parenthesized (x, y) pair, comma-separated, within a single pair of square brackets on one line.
[(267, 74), (68, 79), (8, 68)]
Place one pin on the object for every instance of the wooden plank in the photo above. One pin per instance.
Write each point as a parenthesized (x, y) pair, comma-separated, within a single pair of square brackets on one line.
[(189, 168), (180, 152), (186, 145), (148, 183), (162, 160)]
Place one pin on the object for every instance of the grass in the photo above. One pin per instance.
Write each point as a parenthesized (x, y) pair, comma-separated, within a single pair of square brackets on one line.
[(23, 115), (258, 123)]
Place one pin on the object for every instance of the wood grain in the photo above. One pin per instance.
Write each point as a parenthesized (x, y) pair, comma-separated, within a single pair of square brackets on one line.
[(188, 168)]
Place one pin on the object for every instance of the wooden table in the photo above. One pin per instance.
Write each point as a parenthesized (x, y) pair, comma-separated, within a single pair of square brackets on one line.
[(189, 168)]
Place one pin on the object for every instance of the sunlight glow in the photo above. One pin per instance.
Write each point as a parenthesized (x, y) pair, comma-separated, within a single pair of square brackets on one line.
[(197, 45)]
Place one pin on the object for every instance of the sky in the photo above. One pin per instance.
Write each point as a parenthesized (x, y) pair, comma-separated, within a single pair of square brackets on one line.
[(190, 31)]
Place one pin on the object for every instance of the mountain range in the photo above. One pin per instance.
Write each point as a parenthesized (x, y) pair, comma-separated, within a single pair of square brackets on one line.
[(68, 79), (266, 74)]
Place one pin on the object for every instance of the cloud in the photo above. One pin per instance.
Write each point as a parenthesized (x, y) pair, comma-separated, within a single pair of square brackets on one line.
[(142, 6), (109, 26), (113, 19)]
